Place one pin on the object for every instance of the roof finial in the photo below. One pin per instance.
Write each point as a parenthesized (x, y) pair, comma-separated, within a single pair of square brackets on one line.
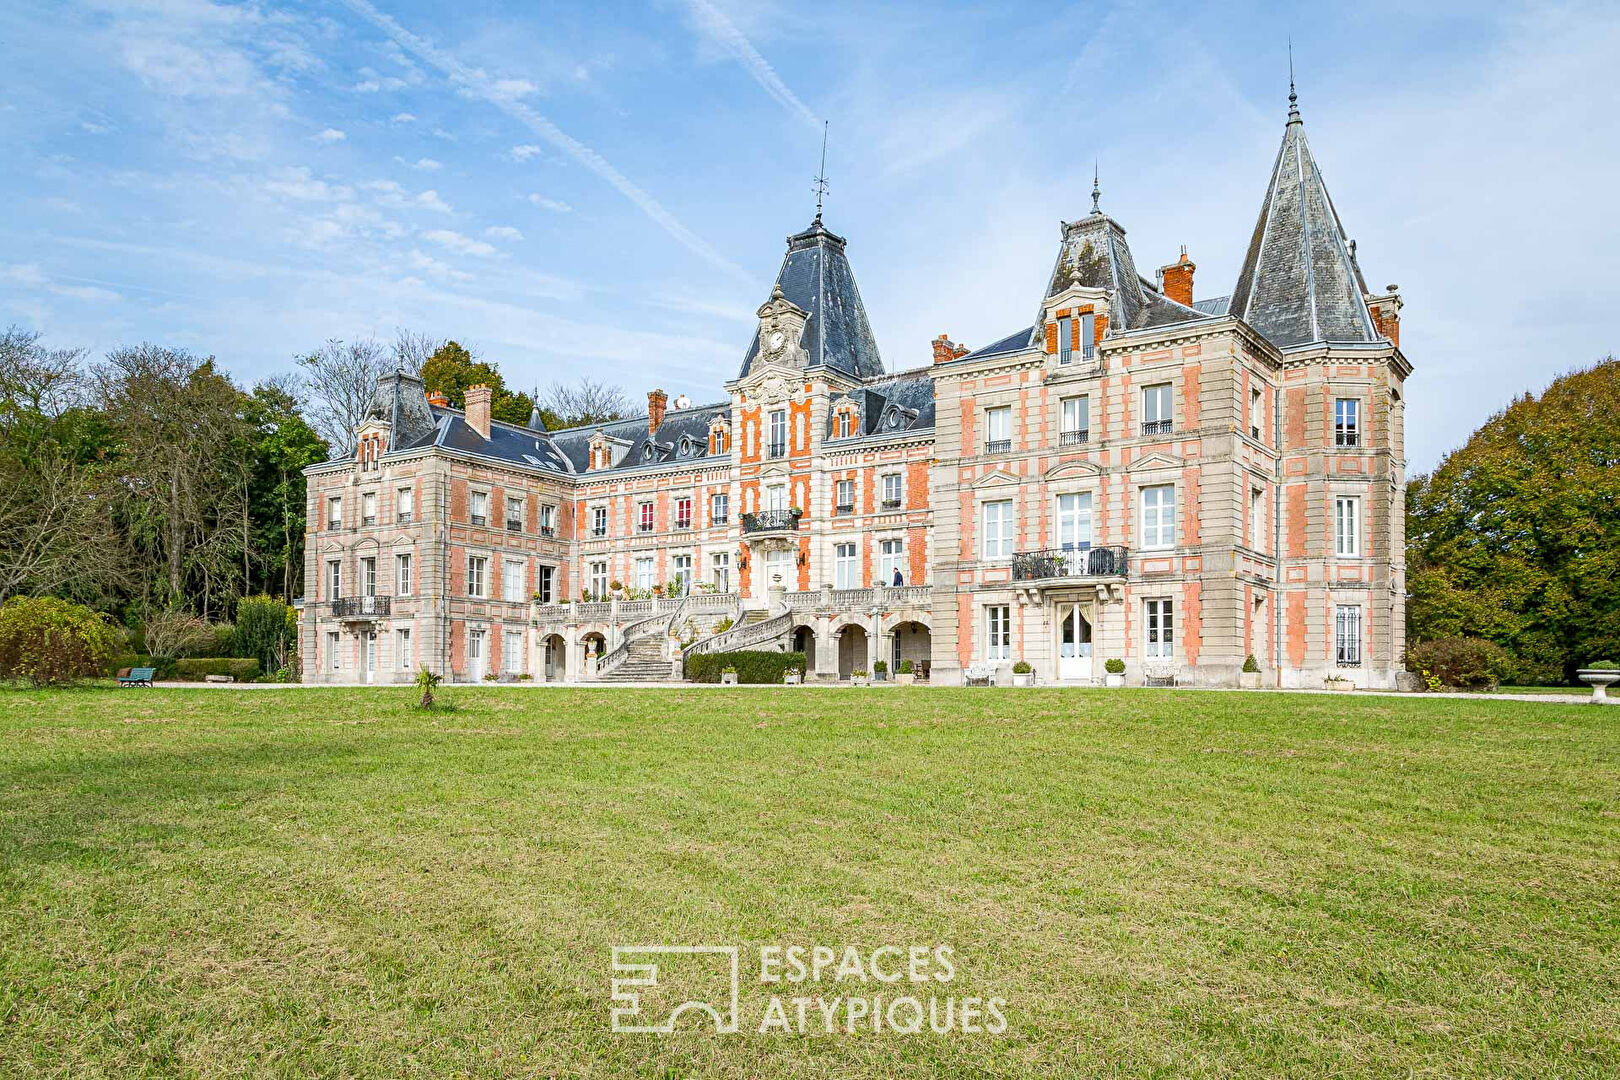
[(1096, 192), (1293, 98), (821, 177)]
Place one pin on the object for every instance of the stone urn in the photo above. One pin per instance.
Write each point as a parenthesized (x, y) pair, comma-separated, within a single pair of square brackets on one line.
[(859, 680), (1249, 680), (1599, 679), (728, 678), (1114, 680), (1023, 678), (905, 678)]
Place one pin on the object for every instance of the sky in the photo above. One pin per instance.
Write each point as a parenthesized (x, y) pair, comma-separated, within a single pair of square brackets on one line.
[(606, 188)]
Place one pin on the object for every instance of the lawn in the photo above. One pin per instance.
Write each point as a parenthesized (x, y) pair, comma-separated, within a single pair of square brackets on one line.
[(329, 882)]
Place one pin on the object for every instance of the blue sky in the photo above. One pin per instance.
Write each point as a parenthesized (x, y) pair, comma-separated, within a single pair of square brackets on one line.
[(605, 188)]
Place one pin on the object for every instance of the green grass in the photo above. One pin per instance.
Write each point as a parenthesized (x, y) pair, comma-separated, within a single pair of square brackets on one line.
[(329, 883)]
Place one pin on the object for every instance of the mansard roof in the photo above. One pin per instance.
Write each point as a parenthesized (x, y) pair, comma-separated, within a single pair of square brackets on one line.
[(1300, 282), (1094, 253), (515, 445), (902, 404), (816, 276), (683, 436)]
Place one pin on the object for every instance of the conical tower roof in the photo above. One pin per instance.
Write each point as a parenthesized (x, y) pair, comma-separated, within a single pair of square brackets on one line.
[(1299, 281), (817, 277)]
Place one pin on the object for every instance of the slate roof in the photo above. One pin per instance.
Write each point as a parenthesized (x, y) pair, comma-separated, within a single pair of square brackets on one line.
[(507, 442), (904, 403), (817, 277), (1299, 281), (1014, 342), (1215, 305), (683, 436)]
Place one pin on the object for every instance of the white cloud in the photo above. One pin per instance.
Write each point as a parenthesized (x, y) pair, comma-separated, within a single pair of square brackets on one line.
[(427, 164), (454, 241), (404, 118), (391, 194), (513, 88), (724, 33), (330, 135), (94, 127), (503, 232), (372, 83), (30, 276), (525, 151), (299, 183), (556, 206), (419, 260)]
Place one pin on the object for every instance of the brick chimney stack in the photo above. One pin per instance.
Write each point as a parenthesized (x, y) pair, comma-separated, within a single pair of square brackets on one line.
[(1177, 279), (657, 400), (478, 409), (437, 398), (946, 350), (1386, 313)]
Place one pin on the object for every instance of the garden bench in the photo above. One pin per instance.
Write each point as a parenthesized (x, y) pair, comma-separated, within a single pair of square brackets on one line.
[(979, 675), (141, 676)]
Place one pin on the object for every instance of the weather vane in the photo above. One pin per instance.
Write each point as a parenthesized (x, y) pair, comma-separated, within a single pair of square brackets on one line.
[(821, 177)]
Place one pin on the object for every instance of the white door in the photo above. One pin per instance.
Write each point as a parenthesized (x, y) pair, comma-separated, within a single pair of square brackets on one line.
[(368, 655), (475, 655), (1074, 644)]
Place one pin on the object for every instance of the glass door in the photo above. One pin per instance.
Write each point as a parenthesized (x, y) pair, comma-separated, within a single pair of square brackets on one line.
[(1074, 644), (475, 654)]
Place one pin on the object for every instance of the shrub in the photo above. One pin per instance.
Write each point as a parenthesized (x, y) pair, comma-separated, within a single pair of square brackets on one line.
[(265, 628), (198, 668), (1469, 663), (723, 625), (427, 682), (50, 642), (1022, 668), (908, 668), (163, 666), (1250, 664), (177, 633), (1603, 665), (1114, 667), (880, 666), (755, 667)]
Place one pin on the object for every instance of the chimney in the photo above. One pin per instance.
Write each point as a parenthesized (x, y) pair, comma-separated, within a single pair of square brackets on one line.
[(656, 401), (437, 399), (478, 409), (1176, 280), (946, 350), (1386, 313)]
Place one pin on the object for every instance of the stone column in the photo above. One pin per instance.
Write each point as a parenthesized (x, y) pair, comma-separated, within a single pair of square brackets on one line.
[(826, 658)]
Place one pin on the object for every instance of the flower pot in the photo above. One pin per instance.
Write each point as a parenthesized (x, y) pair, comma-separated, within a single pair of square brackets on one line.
[(1599, 679), (790, 678), (859, 680), (1113, 680), (1025, 679), (1249, 680), (905, 680), (1340, 684), (728, 678)]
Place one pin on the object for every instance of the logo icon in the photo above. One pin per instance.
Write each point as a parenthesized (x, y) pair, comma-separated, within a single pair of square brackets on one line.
[(696, 978)]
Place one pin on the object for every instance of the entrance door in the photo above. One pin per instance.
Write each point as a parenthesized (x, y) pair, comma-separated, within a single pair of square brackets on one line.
[(475, 655), (1074, 644), (368, 655)]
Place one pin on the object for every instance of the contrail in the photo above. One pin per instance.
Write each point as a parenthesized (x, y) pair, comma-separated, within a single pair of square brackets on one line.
[(725, 32), (480, 85)]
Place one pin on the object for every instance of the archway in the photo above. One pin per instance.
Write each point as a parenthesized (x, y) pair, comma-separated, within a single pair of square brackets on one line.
[(554, 659), (592, 642), (851, 650), (911, 641), (804, 641)]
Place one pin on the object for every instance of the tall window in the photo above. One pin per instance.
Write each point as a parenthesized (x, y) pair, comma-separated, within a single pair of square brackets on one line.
[(1347, 635), (514, 514), (892, 485), (1346, 526), (1065, 340), (368, 508), (1255, 412), (844, 496), (1074, 522), (1156, 404), (402, 649), (512, 651), (683, 512), (334, 513), (778, 447), (644, 516), (544, 577), (645, 572), (1076, 426), (891, 557), (1257, 518), (599, 518), (599, 580), (548, 519), (512, 581), (998, 529), (402, 573), (998, 632), (1088, 336), (681, 573), (776, 497), (477, 575), (334, 579), (1159, 516), (478, 505), (778, 568), (720, 569), (368, 576), (405, 505), (334, 652), (845, 426), (846, 567), (719, 508), (998, 430), (1347, 422), (1159, 622)]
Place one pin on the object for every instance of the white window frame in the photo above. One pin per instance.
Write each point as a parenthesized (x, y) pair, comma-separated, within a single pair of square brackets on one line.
[(1159, 628), (646, 516), (478, 507), (680, 572), (512, 652), (1065, 336), (599, 521), (599, 579), (545, 583), (404, 564), (512, 580), (719, 508), (1347, 635), (1074, 415), (894, 490), (368, 508), (846, 566), (997, 426), (1347, 525), (1088, 336), (548, 519), (996, 543), (645, 568), (1072, 524), (334, 511), (779, 563), (683, 511), (776, 497), (478, 576), (1158, 517), (405, 504), (891, 557), (777, 434), (515, 502), (720, 570), (334, 579), (402, 648), (368, 575), (1347, 421), (841, 488), (334, 651), (998, 632)]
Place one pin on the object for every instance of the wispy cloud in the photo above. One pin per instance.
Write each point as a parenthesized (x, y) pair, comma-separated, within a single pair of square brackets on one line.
[(525, 151), (427, 164), (454, 241), (724, 33), (390, 193), (404, 118), (556, 206), (478, 84), (503, 232), (330, 135)]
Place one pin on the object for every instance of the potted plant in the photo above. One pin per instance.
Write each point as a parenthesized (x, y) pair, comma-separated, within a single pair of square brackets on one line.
[(1115, 669), (1023, 674), (1250, 678), (1600, 675), (906, 674), (728, 675), (858, 677), (792, 677), (1339, 682), (880, 671)]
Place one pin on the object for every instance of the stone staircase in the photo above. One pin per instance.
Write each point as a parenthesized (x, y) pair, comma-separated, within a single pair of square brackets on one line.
[(645, 663)]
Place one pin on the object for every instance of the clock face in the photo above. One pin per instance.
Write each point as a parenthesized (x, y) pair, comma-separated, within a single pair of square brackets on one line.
[(776, 340)]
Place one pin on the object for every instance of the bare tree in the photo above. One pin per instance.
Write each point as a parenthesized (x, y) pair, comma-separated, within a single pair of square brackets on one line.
[(588, 401), (336, 388), (412, 349)]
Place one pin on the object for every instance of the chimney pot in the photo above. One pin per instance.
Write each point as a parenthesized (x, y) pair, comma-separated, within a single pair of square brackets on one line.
[(478, 399), (435, 397), (1176, 280), (946, 350), (657, 401)]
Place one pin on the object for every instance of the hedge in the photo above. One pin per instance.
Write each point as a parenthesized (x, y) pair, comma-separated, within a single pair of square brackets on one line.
[(164, 666), (50, 642), (195, 669), (752, 667)]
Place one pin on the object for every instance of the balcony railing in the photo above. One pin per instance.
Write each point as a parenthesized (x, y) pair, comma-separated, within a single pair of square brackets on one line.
[(644, 526), (1347, 438), (548, 530), (361, 607), (844, 508), (1157, 427), (998, 446), (771, 521), (1074, 438), (891, 504), (513, 526), (1069, 563), (777, 450), (405, 517), (480, 519)]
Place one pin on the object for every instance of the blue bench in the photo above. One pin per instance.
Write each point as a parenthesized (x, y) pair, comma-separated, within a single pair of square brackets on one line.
[(141, 676)]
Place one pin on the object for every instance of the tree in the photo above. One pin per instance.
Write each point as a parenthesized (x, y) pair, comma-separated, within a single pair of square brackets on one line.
[(338, 381), (412, 349), (453, 369), (172, 635), (587, 401), (266, 629), (1515, 537), (283, 444), (47, 641)]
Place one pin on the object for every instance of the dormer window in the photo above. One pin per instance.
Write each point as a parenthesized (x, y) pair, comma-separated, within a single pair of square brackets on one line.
[(893, 419), (686, 446), (647, 452), (846, 423)]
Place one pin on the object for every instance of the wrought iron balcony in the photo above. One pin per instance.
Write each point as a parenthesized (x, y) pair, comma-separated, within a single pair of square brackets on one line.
[(1069, 563), (844, 508), (1074, 438), (1157, 427), (998, 446), (548, 530), (771, 521), (362, 607), (891, 504)]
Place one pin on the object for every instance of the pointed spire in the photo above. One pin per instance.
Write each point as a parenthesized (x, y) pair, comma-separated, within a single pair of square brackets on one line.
[(1096, 192), (821, 177), (1293, 97)]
